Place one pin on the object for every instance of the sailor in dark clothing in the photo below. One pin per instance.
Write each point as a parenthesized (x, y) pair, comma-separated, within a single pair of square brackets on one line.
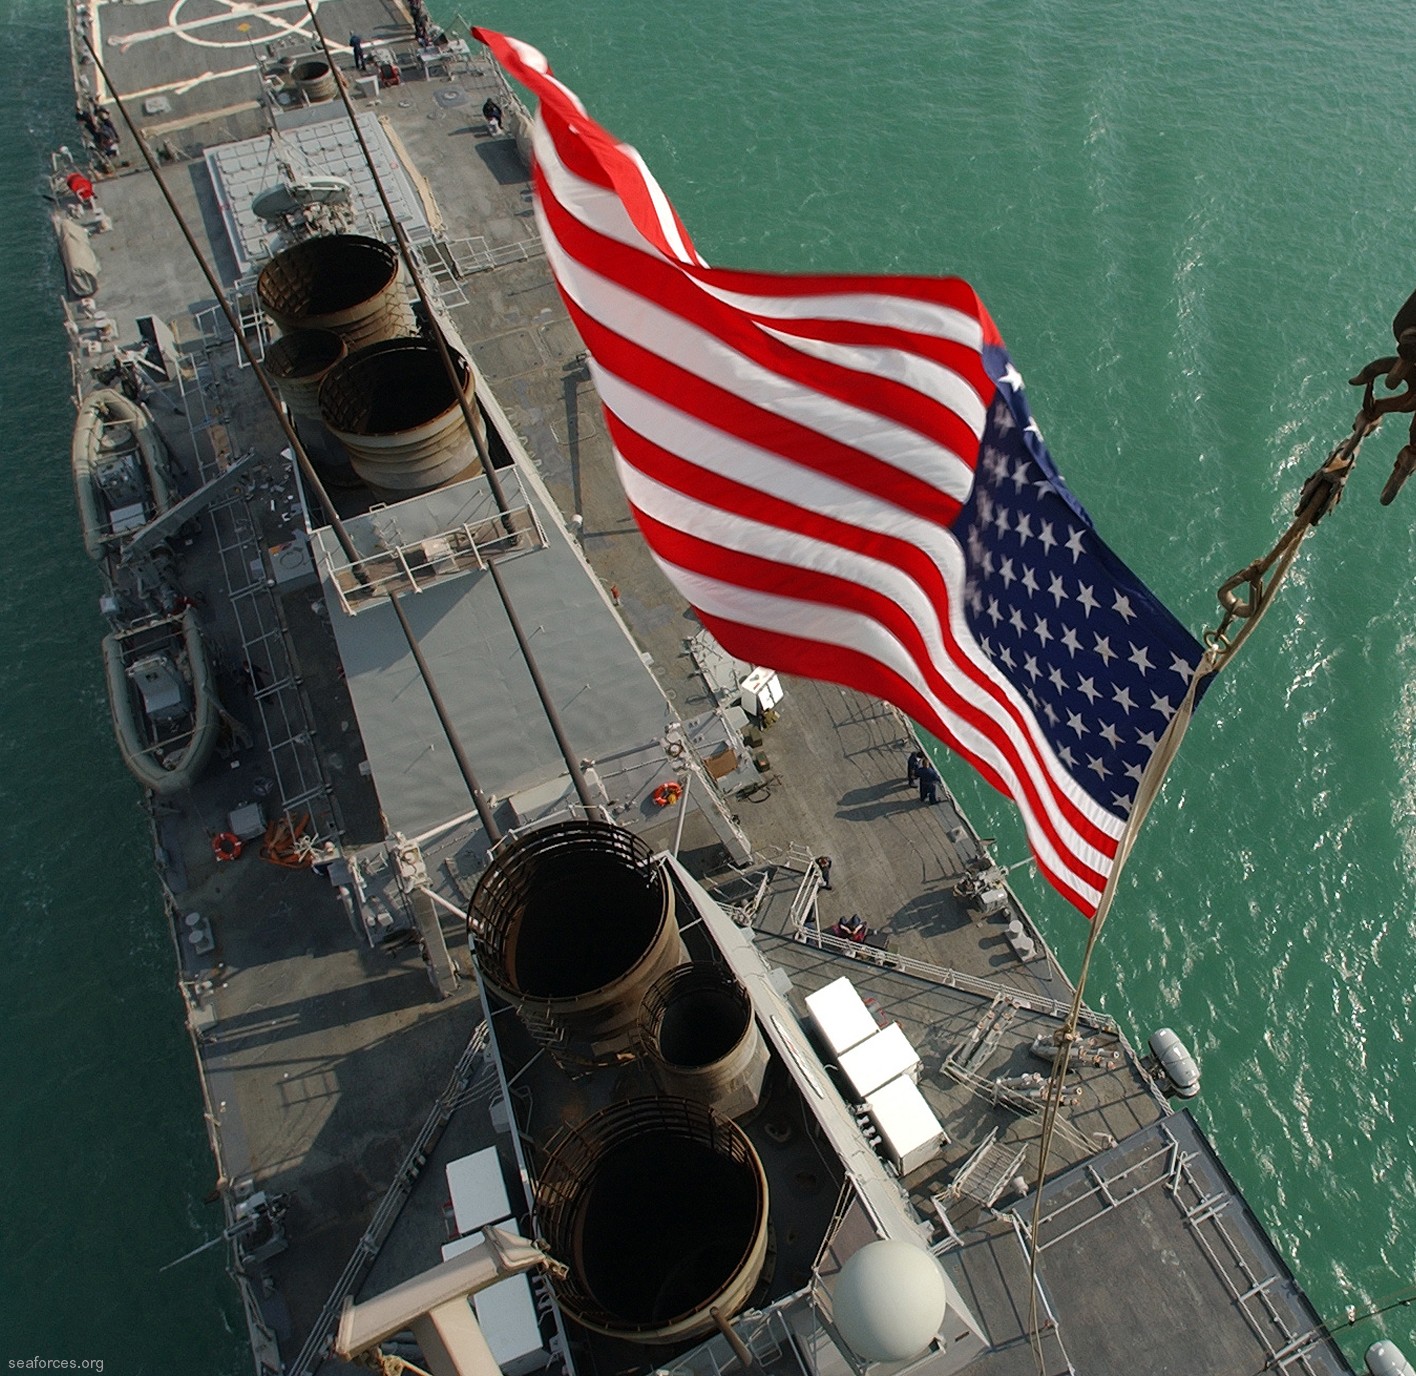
[(928, 783), (85, 117), (912, 765), (107, 132), (492, 113), (357, 45)]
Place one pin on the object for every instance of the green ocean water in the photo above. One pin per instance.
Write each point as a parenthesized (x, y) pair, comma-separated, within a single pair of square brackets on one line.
[(1192, 223)]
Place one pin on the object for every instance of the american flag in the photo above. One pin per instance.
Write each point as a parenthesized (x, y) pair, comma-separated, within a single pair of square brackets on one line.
[(843, 477)]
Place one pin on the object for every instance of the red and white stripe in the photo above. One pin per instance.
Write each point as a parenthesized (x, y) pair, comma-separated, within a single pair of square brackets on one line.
[(794, 449)]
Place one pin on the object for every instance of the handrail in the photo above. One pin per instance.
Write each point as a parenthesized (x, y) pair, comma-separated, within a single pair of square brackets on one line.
[(948, 978), (389, 570)]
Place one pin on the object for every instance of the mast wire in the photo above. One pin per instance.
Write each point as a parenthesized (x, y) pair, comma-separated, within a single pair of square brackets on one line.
[(571, 760), (307, 469)]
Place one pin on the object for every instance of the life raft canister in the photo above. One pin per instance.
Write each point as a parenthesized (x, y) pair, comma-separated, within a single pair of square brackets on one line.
[(226, 846), (80, 186), (668, 793)]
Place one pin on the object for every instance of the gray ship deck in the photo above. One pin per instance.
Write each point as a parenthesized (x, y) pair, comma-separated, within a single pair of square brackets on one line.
[(323, 1058)]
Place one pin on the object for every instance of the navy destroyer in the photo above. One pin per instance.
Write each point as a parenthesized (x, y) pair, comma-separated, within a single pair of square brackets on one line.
[(565, 994)]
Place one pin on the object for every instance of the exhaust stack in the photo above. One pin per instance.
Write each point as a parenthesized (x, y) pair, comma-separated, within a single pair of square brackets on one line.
[(571, 925), (392, 407), (341, 282), (298, 363), (659, 1209), (701, 1040)]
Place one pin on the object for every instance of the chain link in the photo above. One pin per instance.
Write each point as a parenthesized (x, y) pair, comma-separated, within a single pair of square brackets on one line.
[(1245, 596)]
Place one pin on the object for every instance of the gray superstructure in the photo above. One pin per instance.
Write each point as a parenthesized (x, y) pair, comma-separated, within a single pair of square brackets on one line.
[(353, 1060)]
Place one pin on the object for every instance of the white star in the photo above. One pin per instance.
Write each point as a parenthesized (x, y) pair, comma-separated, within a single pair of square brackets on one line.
[(1087, 599), (1020, 477), (1162, 705), (1122, 607), (1015, 620), (1134, 771), (1074, 720), (1042, 630), (1000, 521), (1121, 696), (996, 461), (1012, 379), (1074, 543), (994, 612), (1049, 540), (1147, 739), (1108, 734), (1030, 667), (1183, 667), (1058, 591), (1047, 711), (1006, 657), (1121, 803), (1029, 582), (1056, 680), (1087, 688), (1003, 421), (1005, 572), (1096, 766), (1069, 639), (1103, 648), (1140, 658), (1066, 756), (1031, 428), (1024, 528)]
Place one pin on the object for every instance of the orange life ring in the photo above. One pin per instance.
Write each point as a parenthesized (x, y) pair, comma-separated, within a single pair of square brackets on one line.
[(226, 846), (668, 793)]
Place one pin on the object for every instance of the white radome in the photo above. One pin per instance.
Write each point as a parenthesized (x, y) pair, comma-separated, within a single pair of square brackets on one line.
[(889, 1301)]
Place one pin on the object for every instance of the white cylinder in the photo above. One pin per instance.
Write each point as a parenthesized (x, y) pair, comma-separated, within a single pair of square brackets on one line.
[(1385, 1358)]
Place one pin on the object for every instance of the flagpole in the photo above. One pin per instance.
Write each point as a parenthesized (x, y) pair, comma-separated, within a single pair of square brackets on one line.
[(1322, 491), (1320, 494), (1146, 792)]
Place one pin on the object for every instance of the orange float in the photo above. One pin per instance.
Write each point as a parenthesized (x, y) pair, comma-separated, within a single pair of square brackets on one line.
[(226, 846)]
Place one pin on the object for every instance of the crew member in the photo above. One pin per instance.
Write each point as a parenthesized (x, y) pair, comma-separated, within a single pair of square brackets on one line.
[(851, 929)]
